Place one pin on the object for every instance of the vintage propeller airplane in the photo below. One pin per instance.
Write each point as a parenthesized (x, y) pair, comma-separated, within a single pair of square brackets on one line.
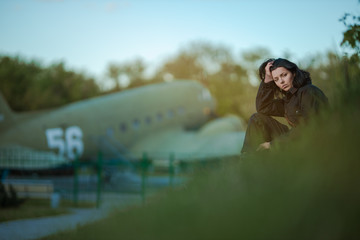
[(159, 119)]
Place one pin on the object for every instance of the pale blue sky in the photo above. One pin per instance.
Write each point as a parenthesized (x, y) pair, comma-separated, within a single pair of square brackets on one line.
[(87, 35)]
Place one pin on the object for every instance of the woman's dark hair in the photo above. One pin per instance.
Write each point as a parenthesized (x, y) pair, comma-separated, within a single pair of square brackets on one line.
[(262, 68), (301, 77)]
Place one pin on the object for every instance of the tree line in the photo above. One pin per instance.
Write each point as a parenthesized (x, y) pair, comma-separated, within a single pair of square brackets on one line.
[(27, 85), (232, 80)]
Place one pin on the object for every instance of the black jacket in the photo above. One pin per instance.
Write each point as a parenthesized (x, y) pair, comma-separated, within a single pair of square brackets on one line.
[(297, 105)]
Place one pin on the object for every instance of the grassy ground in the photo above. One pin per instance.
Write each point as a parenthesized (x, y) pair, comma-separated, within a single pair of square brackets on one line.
[(307, 189), (34, 208), (31, 208)]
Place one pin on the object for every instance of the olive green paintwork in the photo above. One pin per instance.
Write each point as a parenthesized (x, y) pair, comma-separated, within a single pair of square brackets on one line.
[(158, 118)]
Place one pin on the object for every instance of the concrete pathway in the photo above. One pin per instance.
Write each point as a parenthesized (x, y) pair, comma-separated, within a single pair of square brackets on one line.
[(40, 227)]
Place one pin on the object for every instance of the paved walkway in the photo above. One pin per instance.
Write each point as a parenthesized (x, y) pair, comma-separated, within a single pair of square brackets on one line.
[(40, 227)]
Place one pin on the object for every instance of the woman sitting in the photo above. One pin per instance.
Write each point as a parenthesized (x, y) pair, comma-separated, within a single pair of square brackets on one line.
[(284, 91)]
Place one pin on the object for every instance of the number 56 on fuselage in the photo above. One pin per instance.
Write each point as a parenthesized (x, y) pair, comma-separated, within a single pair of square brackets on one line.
[(158, 119)]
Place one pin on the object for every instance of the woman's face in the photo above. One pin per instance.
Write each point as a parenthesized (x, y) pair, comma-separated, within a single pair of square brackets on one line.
[(283, 78)]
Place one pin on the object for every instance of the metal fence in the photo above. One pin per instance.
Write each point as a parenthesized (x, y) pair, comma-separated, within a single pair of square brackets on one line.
[(93, 181)]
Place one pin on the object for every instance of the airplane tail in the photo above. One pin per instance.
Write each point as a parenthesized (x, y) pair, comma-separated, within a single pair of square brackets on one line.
[(6, 115)]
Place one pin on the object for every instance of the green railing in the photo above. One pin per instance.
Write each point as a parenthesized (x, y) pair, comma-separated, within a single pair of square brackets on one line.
[(90, 185), (145, 170)]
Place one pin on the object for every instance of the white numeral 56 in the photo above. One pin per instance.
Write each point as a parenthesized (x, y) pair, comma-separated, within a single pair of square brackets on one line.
[(72, 145)]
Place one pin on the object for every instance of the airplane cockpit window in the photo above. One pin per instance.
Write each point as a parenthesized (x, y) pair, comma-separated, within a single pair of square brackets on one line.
[(123, 127), (136, 124), (170, 114), (148, 120), (205, 95), (159, 117)]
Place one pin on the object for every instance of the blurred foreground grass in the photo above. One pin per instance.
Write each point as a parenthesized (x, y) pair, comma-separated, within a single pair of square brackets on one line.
[(35, 208), (308, 189)]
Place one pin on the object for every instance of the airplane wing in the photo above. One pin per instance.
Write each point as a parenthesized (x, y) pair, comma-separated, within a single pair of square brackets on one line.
[(218, 138), (19, 157)]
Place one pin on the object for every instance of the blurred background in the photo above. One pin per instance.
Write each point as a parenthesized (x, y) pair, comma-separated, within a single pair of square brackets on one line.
[(53, 52)]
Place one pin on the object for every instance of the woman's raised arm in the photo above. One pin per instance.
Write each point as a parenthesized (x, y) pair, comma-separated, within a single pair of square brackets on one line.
[(266, 102)]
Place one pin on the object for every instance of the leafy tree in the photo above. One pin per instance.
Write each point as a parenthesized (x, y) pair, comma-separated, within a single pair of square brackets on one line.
[(252, 59), (29, 86), (351, 41), (183, 66), (352, 34), (232, 90), (15, 78), (132, 71), (215, 67), (114, 72)]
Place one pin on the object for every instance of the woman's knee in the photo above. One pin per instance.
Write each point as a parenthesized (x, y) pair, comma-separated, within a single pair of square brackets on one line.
[(258, 118)]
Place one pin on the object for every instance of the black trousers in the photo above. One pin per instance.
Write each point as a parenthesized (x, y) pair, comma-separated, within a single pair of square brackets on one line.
[(261, 128)]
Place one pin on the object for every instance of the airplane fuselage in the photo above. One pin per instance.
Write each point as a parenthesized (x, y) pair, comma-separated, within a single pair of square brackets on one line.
[(82, 128)]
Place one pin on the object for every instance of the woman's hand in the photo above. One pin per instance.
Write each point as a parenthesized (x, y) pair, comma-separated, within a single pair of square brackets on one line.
[(264, 146), (268, 76)]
